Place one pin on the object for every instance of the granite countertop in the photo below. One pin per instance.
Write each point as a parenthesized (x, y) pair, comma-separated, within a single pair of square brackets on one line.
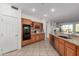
[(72, 40)]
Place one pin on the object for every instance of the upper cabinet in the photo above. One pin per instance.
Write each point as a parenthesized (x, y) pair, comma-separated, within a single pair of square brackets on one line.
[(37, 25), (26, 21)]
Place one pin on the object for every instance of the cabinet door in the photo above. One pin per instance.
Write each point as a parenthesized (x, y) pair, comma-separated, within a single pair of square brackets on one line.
[(33, 38), (70, 49), (41, 26), (70, 52), (61, 49), (41, 36), (56, 43), (77, 51), (9, 33), (37, 37)]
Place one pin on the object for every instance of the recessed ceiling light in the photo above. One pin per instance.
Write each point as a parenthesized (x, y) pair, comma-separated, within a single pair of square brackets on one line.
[(52, 10), (33, 10), (45, 15)]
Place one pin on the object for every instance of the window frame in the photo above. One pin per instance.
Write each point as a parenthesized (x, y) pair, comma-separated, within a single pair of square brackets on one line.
[(75, 28), (67, 29)]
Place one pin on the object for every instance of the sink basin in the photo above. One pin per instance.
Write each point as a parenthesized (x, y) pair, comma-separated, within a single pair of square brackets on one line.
[(64, 37)]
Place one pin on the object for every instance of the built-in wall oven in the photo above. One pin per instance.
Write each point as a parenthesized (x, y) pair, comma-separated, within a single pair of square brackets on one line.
[(26, 32)]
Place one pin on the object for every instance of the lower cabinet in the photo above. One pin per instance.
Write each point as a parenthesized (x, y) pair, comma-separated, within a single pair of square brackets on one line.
[(37, 37), (34, 38), (56, 43), (70, 49), (25, 42), (65, 48), (61, 47), (42, 36), (77, 51), (70, 52)]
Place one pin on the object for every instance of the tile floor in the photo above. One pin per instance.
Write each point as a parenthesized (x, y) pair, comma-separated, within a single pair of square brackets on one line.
[(42, 48)]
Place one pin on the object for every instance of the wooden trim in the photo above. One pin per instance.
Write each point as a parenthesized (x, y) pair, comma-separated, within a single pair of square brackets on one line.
[(31, 43), (21, 32)]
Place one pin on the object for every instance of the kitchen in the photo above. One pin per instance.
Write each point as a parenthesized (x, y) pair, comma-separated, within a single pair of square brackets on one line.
[(35, 32), (46, 29)]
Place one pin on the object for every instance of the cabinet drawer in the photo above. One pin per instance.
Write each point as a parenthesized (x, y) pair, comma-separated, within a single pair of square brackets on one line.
[(70, 45)]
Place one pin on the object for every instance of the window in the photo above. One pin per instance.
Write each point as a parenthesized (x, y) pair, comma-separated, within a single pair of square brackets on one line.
[(67, 28), (77, 28)]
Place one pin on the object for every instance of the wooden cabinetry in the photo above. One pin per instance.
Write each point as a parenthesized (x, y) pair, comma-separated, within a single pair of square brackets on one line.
[(41, 26), (42, 36), (64, 47), (69, 52), (51, 39), (37, 25), (56, 43), (77, 51), (25, 42), (26, 21), (34, 38), (37, 37), (61, 46), (70, 49)]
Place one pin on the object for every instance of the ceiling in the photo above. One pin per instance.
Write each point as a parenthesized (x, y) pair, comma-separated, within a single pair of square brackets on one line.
[(64, 12)]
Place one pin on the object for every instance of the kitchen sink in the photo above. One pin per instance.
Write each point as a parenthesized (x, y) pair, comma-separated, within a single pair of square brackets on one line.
[(65, 37)]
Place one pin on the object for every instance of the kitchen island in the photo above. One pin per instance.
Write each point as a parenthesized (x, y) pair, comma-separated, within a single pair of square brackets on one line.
[(64, 46)]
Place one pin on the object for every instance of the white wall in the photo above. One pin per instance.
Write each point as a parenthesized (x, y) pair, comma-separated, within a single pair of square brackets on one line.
[(50, 27), (5, 9), (53, 25)]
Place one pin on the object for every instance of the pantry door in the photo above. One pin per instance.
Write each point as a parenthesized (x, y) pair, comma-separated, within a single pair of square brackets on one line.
[(9, 33)]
